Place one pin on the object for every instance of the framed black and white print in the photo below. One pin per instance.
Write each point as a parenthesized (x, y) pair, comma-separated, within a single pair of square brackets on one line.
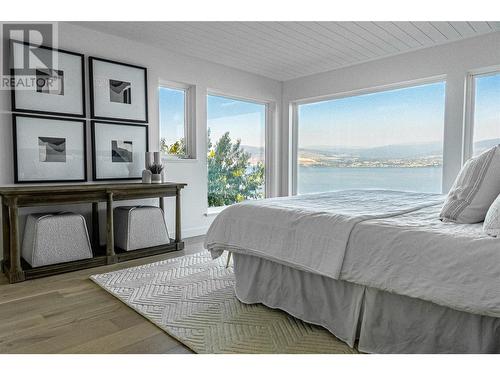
[(47, 80), (118, 91), (118, 150), (49, 149)]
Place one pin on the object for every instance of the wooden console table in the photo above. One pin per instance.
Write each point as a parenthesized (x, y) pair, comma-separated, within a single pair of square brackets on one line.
[(14, 197)]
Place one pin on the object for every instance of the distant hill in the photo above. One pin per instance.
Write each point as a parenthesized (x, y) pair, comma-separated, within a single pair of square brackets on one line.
[(486, 144), (396, 151), (402, 151), (257, 153), (253, 150), (399, 151)]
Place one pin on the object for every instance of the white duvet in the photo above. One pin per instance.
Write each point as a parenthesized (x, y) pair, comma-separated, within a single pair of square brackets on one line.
[(389, 240), (417, 255), (309, 232)]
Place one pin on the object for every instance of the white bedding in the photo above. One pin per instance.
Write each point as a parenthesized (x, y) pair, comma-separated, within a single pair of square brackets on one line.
[(309, 232), (417, 255)]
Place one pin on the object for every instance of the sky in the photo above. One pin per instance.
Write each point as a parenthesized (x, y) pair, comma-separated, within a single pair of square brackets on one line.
[(171, 114), (408, 115), (487, 107), (243, 120)]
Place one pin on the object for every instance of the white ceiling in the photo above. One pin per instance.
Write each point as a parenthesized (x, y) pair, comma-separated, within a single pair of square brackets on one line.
[(287, 50)]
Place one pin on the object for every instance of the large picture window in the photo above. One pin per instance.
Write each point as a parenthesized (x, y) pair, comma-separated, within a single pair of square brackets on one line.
[(486, 112), (389, 140), (236, 150)]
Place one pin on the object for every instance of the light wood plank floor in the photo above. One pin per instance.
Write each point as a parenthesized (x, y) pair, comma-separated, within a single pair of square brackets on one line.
[(70, 314)]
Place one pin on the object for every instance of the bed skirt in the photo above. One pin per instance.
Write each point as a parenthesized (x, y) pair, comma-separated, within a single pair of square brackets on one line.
[(383, 322)]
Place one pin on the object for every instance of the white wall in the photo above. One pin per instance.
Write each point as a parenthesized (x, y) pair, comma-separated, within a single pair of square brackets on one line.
[(162, 65), (454, 60)]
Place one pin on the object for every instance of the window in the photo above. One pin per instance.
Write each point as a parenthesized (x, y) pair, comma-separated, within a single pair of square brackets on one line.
[(236, 150), (486, 112), (174, 117), (390, 140)]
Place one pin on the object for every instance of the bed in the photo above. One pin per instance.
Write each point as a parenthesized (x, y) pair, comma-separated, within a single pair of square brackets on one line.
[(371, 266)]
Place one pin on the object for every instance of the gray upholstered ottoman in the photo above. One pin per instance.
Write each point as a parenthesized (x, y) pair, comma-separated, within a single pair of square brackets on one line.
[(55, 238), (137, 227)]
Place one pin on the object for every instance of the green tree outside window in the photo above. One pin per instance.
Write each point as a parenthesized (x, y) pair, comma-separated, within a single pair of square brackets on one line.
[(231, 176)]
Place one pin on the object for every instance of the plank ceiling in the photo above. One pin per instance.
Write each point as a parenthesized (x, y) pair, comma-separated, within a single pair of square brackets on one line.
[(287, 50)]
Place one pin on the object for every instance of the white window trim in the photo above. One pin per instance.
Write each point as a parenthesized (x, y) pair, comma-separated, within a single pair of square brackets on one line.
[(214, 211), (468, 130), (269, 135), (470, 107), (250, 99), (294, 118), (270, 157), (294, 149), (372, 89), (189, 120)]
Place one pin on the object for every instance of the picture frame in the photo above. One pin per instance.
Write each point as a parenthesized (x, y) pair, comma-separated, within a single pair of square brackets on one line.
[(118, 150), (118, 91), (49, 149), (56, 90)]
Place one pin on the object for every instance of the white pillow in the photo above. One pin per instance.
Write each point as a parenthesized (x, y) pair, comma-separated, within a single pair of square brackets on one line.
[(491, 224), (476, 187)]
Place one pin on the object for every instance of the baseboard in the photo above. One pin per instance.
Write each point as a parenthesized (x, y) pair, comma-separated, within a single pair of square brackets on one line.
[(193, 232)]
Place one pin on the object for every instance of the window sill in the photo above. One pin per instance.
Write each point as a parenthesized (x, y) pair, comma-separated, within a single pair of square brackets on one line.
[(214, 211), (179, 160)]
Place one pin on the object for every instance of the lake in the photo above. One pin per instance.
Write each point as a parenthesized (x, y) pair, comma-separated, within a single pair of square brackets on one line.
[(319, 179)]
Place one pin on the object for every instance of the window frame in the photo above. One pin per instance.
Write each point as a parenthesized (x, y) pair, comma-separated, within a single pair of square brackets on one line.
[(294, 118), (470, 107), (269, 121), (189, 119)]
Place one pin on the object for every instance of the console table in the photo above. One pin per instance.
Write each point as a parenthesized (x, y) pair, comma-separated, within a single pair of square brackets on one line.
[(14, 197)]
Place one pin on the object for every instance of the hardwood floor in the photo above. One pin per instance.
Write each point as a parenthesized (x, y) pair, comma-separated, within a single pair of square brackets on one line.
[(70, 314)]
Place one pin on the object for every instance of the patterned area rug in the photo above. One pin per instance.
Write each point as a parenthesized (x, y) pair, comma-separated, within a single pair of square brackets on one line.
[(192, 299)]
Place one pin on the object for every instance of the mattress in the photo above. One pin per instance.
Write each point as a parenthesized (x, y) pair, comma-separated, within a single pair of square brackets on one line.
[(380, 321), (391, 241)]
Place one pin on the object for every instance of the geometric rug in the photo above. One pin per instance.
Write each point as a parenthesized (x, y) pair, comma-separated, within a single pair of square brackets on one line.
[(192, 299)]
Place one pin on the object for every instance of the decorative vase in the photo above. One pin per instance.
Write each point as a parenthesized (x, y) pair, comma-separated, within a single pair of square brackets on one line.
[(156, 178), (157, 157), (149, 159), (146, 176), (164, 175)]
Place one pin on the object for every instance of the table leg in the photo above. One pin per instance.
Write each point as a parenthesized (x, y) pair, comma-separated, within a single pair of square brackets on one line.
[(16, 273), (6, 236), (96, 242), (162, 204), (110, 240), (178, 215)]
